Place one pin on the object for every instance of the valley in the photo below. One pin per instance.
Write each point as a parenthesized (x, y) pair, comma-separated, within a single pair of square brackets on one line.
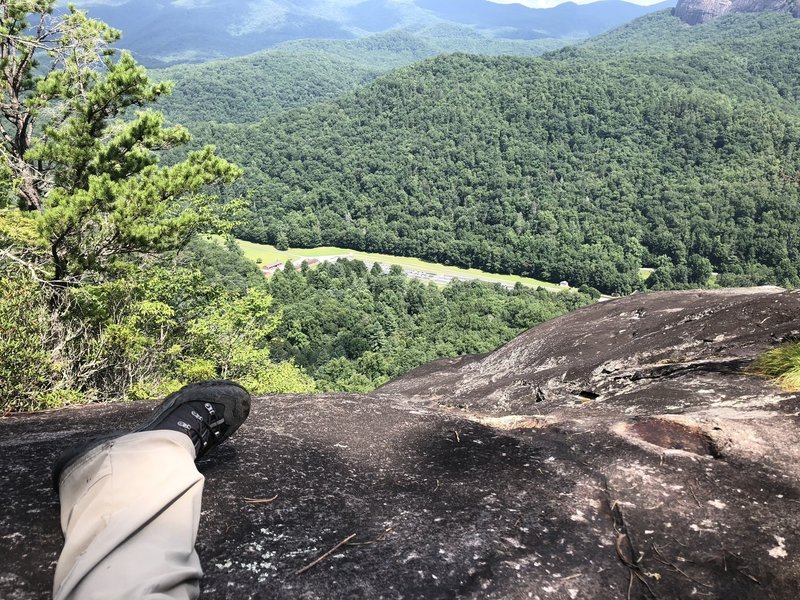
[(416, 150), (654, 146)]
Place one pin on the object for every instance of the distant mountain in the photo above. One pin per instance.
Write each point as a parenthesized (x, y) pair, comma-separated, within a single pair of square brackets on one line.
[(163, 32), (246, 89), (518, 21)]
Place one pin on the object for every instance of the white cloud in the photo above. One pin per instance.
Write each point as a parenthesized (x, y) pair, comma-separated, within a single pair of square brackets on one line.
[(192, 3)]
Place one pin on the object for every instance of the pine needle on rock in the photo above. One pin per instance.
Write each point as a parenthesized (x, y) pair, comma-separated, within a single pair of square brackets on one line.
[(260, 500), (326, 555)]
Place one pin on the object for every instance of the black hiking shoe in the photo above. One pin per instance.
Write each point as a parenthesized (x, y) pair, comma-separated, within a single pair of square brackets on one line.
[(208, 412)]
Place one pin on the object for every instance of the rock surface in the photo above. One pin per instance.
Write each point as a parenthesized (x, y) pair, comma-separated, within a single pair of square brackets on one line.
[(618, 451), (694, 12)]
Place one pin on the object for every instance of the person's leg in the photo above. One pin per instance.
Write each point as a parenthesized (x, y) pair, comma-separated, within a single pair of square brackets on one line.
[(130, 506), (130, 509)]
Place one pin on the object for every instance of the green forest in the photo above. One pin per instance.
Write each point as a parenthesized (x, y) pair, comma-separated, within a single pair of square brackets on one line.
[(96, 302), (109, 287), (654, 146), (351, 328), (298, 73)]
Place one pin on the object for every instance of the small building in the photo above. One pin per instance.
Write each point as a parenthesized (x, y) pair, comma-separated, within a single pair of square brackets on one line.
[(298, 264), (269, 270)]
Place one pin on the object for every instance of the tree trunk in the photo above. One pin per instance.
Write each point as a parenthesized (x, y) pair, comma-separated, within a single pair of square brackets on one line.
[(28, 190)]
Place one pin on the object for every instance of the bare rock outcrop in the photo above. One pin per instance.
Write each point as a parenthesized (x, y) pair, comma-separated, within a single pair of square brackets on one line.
[(622, 450), (694, 12)]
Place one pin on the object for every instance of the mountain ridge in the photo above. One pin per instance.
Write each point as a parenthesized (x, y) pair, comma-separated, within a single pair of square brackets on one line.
[(247, 89), (517, 165), (160, 32)]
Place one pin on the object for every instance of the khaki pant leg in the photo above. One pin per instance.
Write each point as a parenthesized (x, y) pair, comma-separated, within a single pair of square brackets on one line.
[(130, 509)]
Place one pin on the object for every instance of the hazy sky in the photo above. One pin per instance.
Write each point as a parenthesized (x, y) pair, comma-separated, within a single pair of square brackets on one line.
[(531, 3), (551, 3)]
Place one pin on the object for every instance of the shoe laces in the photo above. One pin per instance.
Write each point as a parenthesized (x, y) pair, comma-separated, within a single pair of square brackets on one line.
[(201, 428)]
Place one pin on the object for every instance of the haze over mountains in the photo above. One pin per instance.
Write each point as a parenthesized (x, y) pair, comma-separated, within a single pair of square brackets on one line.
[(246, 89), (161, 32)]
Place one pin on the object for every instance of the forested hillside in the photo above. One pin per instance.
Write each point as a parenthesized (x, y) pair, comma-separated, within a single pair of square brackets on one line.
[(109, 288), (747, 56), (251, 88), (584, 165), (657, 145)]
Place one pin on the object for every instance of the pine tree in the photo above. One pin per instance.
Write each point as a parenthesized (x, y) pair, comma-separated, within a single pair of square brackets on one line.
[(93, 305), (74, 153)]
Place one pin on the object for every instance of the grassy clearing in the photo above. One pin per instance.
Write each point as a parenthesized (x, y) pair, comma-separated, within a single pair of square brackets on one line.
[(269, 255), (782, 365)]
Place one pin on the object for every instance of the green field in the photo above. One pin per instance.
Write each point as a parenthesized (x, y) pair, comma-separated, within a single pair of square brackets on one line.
[(267, 255)]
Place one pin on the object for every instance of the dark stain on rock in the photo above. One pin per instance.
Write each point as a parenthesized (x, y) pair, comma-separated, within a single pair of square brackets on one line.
[(674, 436), (671, 370)]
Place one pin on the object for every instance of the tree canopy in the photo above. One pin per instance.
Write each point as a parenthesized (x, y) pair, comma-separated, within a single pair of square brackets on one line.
[(75, 154), (354, 329), (584, 165)]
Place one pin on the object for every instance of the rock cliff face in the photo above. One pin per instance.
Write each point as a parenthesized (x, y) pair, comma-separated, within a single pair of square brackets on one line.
[(700, 11), (619, 451)]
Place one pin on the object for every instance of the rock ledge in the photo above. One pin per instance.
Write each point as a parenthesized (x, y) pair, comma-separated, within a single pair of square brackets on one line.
[(622, 446)]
